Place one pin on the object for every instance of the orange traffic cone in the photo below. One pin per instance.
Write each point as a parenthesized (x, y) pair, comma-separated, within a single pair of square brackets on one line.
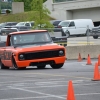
[(99, 60), (89, 60), (96, 73), (70, 94), (79, 57)]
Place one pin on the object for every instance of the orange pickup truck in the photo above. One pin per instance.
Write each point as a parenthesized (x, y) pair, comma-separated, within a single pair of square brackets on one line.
[(31, 48)]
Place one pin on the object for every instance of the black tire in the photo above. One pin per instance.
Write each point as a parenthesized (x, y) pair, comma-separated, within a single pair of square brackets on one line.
[(65, 45), (67, 34), (95, 37), (57, 66), (2, 65), (15, 65), (41, 67)]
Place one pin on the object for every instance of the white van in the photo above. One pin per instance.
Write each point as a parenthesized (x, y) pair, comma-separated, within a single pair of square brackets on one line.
[(76, 27)]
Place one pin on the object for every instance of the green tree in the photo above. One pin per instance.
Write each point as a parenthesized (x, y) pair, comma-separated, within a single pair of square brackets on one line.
[(44, 1), (42, 14), (27, 6)]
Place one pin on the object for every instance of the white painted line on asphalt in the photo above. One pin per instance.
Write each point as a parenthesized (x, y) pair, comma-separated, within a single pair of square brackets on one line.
[(4, 89), (36, 87), (21, 89), (49, 83), (83, 64), (84, 94), (26, 98), (56, 79), (45, 86), (56, 82), (18, 81), (87, 94), (87, 65)]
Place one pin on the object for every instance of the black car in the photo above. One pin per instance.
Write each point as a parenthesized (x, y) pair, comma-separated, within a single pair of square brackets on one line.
[(7, 24), (95, 32), (55, 24), (22, 28), (60, 40)]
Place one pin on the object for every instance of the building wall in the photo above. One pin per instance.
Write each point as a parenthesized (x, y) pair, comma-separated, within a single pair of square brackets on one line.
[(92, 13), (58, 13), (17, 7), (75, 9)]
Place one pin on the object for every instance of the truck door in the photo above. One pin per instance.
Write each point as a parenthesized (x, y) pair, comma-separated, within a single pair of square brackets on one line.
[(72, 29), (7, 57), (8, 53)]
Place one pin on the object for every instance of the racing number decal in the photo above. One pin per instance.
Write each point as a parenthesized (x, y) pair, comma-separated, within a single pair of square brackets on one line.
[(7, 55)]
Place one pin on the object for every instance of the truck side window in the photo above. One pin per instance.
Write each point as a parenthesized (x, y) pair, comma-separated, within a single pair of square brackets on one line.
[(71, 24), (10, 42)]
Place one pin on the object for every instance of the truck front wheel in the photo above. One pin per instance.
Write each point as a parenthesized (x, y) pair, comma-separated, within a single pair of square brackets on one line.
[(2, 66), (57, 66), (15, 65)]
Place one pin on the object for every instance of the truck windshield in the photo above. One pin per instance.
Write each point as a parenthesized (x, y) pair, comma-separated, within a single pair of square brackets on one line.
[(31, 38), (64, 23), (21, 24), (7, 31)]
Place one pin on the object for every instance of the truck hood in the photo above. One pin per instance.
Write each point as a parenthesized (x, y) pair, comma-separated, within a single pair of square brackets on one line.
[(98, 27), (64, 28), (29, 48)]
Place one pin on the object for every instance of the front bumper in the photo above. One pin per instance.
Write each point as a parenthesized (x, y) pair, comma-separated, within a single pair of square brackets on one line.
[(26, 63)]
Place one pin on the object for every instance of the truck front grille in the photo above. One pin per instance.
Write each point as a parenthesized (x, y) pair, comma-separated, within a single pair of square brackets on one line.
[(42, 54)]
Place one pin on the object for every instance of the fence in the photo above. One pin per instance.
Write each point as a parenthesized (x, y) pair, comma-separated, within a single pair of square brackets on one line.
[(84, 39), (77, 40), (55, 1)]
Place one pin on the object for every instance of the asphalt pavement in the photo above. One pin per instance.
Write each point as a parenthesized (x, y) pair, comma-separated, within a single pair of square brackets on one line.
[(50, 84)]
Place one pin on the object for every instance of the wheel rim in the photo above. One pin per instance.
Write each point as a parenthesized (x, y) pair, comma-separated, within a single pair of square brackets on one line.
[(67, 33), (14, 64)]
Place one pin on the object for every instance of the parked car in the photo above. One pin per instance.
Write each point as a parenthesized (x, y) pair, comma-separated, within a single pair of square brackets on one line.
[(2, 25), (29, 24), (3, 11), (60, 40), (95, 32), (55, 24), (76, 27), (5, 31), (22, 28), (7, 24)]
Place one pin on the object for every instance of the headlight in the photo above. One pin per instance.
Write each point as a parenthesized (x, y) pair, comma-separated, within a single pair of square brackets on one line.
[(21, 57), (61, 53)]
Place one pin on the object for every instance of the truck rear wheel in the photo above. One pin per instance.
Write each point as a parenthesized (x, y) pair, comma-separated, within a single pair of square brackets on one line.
[(67, 34), (95, 37), (57, 66), (2, 66)]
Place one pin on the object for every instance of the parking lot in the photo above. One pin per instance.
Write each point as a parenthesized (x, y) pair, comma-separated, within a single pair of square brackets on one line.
[(50, 84)]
